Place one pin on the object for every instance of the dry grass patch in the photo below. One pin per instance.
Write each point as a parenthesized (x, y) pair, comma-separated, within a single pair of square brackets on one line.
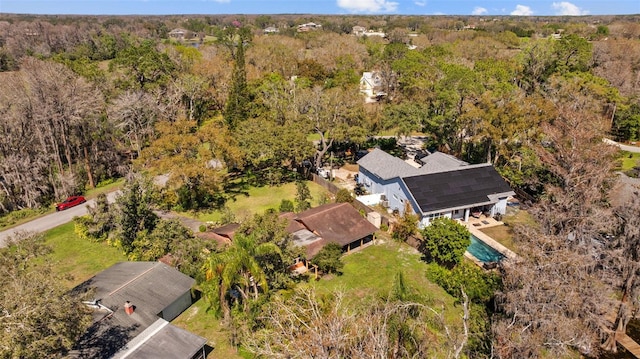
[(504, 234)]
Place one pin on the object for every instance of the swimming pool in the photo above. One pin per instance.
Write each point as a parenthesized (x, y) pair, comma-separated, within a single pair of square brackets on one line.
[(483, 251)]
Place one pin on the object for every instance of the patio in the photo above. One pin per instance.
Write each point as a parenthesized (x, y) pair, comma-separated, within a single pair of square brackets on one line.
[(482, 222)]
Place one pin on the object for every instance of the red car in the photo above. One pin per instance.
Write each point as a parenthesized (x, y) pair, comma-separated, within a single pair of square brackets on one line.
[(70, 202)]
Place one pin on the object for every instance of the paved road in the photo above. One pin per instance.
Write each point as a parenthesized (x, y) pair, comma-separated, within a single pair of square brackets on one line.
[(52, 220), (623, 146)]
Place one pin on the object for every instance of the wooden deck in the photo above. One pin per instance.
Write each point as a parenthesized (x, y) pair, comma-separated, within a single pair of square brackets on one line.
[(629, 344)]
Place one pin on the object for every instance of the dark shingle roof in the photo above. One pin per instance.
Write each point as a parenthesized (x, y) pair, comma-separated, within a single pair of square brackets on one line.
[(162, 340), (469, 186), (149, 286)]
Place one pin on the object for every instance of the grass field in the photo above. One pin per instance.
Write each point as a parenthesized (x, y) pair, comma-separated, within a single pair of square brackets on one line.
[(259, 199), (78, 258), (629, 160), (371, 272), (197, 320)]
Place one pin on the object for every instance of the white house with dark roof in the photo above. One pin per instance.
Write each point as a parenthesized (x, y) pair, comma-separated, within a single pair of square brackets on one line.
[(132, 307), (443, 186)]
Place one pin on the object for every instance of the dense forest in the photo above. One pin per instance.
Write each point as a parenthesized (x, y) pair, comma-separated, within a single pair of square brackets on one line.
[(86, 100)]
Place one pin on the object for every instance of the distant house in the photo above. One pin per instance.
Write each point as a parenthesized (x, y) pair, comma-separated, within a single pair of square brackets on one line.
[(134, 303), (443, 186), (358, 30), (371, 86), (180, 34), (309, 26), (330, 223), (375, 33), (270, 30)]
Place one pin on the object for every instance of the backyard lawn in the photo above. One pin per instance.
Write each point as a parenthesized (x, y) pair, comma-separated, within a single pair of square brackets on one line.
[(259, 199), (78, 258), (372, 270), (197, 320)]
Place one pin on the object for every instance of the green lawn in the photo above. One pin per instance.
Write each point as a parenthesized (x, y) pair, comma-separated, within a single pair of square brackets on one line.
[(259, 199), (371, 272), (629, 160), (197, 320), (79, 258)]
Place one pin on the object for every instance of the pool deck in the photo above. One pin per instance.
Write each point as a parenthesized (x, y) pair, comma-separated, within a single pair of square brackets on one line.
[(474, 226)]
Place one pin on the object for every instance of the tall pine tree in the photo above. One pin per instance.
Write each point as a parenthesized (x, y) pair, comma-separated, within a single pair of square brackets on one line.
[(237, 104)]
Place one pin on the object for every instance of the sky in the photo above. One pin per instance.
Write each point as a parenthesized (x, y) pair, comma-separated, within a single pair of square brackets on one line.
[(337, 7)]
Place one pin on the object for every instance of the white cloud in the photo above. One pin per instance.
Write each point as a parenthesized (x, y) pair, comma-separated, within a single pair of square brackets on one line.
[(368, 6), (522, 10), (420, 3), (567, 8), (222, 1), (478, 11)]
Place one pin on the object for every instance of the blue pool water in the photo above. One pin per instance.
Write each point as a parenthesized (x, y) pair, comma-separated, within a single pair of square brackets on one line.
[(483, 252)]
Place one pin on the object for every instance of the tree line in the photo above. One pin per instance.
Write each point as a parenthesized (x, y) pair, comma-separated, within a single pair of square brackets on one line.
[(245, 106)]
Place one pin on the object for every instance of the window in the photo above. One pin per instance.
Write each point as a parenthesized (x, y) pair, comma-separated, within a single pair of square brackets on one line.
[(433, 216)]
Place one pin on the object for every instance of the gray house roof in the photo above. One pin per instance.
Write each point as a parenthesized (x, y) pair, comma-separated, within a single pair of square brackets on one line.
[(162, 340), (385, 165), (438, 162), (150, 287), (469, 186)]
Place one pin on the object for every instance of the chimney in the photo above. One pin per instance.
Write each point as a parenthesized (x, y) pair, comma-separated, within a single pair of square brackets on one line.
[(128, 307)]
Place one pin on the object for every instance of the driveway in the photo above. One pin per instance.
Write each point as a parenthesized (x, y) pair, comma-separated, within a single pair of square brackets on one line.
[(52, 220), (623, 146)]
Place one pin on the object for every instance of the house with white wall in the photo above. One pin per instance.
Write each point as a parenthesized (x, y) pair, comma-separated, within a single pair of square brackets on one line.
[(443, 186)]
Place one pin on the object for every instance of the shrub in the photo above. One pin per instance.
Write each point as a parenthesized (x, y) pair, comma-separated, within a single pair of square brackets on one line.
[(344, 196), (445, 241), (286, 206), (202, 228), (328, 259), (478, 284)]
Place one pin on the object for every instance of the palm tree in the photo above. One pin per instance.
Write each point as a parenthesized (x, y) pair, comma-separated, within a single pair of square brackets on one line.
[(235, 270)]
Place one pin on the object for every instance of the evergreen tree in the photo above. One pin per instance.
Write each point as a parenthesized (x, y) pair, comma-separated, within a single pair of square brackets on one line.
[(237, 104), (303, 196)]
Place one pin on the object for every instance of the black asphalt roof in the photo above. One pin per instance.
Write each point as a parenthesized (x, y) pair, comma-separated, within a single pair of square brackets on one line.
[(149, 286), (460, 188)]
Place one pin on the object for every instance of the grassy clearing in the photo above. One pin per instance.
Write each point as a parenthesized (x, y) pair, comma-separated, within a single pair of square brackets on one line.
[(197, 320), (504, 234), (259, 199), (371, 272), (78, 258), (629, 160)]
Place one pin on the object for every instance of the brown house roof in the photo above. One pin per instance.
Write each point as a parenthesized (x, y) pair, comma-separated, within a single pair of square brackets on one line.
[(292, 225), (228, 230), (220, 240), (336, 222)]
